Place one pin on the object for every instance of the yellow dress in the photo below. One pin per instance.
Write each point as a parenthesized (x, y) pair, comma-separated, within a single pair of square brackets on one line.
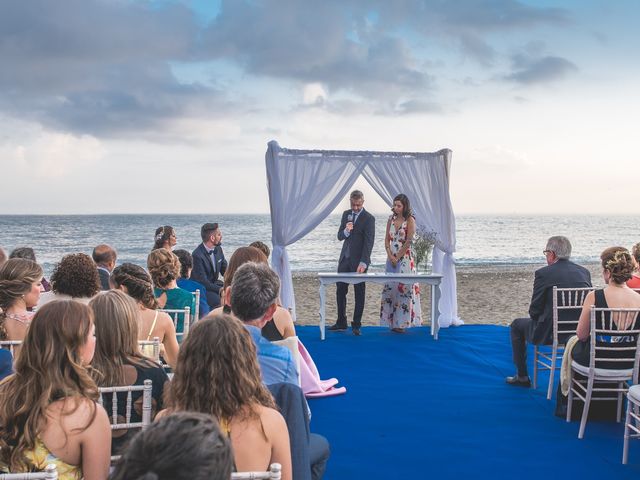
[(40, 457)]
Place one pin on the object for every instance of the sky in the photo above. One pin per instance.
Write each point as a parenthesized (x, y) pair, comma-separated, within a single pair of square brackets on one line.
[(125, 106)]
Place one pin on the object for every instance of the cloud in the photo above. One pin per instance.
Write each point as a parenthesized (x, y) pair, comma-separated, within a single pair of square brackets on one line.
[(532, 70)]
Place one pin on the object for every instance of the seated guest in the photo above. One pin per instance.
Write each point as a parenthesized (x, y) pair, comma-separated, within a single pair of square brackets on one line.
[(218, 374), (165, 238), (118, 362), (105, 257), (29, 254), (184, 282), (538, 328), (253, 298), (20, 287), (263, 247), (181, 446), (75, 277), (209, 262), (281, 325), (135, 282), (634, 281), (48, 409), (6, 363), (3, 256), (164, 268), (617, 266)]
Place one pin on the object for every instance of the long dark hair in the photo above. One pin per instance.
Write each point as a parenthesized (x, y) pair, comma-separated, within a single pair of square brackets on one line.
[(406, 205)]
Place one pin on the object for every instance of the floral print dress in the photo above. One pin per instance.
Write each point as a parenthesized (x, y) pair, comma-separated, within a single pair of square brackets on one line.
[(400, 305)]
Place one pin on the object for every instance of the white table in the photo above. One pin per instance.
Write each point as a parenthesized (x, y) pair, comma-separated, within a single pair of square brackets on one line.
[(409, 278)]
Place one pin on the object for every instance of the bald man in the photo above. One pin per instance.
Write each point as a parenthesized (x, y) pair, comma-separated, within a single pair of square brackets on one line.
[(105, 257)]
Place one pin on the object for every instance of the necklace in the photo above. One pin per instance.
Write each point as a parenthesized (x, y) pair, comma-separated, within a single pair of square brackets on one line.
[(24, 318)]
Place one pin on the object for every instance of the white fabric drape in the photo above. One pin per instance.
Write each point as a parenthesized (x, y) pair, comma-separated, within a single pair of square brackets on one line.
[(306, 185)]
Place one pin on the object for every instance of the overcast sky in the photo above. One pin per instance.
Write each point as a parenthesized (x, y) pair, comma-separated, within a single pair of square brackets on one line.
[(166, 106)]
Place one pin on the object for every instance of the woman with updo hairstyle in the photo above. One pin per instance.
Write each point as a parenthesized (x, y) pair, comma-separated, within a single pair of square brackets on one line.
[(164, 268), (20, 288), (218, 374), (29, 254), (135, 282), (634, 281), (48, 409), (181, 446), (118, 361), (165, 238), (281, 325), (617, 267), (75, 277)]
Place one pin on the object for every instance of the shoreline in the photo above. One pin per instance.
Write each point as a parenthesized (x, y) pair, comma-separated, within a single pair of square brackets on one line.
[(487, 294)]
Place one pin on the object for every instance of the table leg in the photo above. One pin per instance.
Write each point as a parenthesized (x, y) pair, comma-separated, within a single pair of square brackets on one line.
[(322, 310), (435, 312)]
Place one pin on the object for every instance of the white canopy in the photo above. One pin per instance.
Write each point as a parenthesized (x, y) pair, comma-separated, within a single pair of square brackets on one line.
[(315, 181)]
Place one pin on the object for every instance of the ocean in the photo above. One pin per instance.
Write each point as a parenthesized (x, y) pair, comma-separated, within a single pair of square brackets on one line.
[(481, 239)]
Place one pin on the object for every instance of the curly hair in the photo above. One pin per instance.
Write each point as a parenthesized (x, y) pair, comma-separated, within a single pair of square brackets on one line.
[(76, 275), (218, 371), (17, 275), (180, 446), (137, 282), (116, 319), (49, 368), (619, 263), (163, 234), (186, 262), (163, 266)]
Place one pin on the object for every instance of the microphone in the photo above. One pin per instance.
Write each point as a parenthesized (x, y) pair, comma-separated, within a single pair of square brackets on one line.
[(350, 217)]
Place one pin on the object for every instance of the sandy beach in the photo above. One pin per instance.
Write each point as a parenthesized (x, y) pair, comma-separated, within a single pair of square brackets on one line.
[(486, 294)]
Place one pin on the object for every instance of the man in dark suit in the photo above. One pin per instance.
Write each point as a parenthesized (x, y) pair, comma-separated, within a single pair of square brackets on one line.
[(538, 328), (209, 262), (105, 257), (357, 230)]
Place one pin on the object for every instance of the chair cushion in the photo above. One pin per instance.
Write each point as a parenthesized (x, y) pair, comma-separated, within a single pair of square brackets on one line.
[(634, 393), (604, 373)]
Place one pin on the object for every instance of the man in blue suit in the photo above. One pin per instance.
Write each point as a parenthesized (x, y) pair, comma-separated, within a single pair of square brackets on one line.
[(209, 262), (357, 231)]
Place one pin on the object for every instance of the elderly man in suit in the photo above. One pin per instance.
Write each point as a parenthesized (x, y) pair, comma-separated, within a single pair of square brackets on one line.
[(357, 231), (538, 328), (209, 262)]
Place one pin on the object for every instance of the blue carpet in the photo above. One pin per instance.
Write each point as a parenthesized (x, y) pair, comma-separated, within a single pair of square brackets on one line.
[(416, 408)]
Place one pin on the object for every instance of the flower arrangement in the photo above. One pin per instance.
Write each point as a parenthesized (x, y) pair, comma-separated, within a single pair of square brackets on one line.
[(423, 244)]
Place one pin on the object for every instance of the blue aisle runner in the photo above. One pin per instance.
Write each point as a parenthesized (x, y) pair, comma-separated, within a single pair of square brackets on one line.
[(417, 408)]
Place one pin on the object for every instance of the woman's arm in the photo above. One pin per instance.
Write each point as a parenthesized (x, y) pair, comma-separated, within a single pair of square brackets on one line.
[(584, 323), (95, 446), (284, 323), (169, 340), (279, 438), (387, 243)]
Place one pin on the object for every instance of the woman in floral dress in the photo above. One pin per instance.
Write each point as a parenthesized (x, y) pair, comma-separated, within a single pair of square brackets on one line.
[(400, 306)]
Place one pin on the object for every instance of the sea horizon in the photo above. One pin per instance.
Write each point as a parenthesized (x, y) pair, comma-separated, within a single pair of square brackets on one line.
[(491, 240)]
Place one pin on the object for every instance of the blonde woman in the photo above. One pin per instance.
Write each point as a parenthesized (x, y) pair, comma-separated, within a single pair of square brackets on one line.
[(48, 409), (20, 288), (164, 268), (135, 282), (117, 360), (634, 281), (218, 374)]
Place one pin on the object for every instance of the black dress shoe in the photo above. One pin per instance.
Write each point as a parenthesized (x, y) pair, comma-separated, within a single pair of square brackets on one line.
[(356, 331), (518, 381), (336, 327)]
